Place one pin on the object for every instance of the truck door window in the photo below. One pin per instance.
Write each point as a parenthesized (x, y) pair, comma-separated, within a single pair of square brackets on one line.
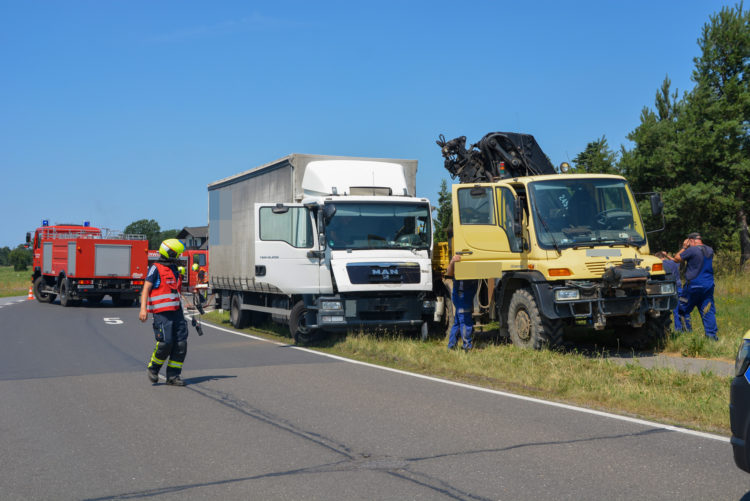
[(293, 226), (476, 206), (200, 259), (507, 208)]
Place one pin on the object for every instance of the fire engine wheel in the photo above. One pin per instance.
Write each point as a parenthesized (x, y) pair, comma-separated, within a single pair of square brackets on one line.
[(237, 316), (42, 297), (526, 325), (298, 328), (65, 299), (646, 336)]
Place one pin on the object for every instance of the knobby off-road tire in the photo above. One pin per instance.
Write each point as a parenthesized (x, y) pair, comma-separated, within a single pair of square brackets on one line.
[(298, 328), (237, 316), (646, 336), (526, 325), (42, 297)]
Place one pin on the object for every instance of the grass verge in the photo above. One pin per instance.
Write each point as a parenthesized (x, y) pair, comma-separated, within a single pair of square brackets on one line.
[(697, 401), (14, 283)]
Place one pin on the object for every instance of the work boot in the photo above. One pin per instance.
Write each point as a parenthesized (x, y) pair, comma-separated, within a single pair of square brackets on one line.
[(176, 381), (152, 376)]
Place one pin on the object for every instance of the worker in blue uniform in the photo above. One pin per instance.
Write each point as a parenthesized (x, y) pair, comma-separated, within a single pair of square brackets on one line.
[(699, 286), (681, 323), (463, 305)]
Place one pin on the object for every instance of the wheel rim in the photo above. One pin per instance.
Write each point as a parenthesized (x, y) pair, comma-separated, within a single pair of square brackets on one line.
[(523, 325), (302, 323)]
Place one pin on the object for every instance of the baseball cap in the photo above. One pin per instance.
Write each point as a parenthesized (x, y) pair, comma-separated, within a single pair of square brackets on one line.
[(694, 235)]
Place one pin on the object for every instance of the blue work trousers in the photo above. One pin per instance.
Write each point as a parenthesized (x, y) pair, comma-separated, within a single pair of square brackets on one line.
[(463, 323), (703, 298), (681, 322)]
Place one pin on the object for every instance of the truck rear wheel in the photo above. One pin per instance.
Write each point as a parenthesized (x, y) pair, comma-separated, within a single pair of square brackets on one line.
[(65, 299), (42, 297), (237, 316), (526, 325), (298, 328), (646, 336)]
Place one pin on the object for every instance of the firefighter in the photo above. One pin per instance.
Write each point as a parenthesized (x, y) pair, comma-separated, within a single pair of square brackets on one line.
[(699, 286), (161, 297), (202, 280)]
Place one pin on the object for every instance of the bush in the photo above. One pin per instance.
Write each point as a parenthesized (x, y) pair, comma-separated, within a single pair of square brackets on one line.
[(20, 258)]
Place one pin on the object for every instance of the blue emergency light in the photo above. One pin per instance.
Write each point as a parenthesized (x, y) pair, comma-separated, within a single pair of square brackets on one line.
[(45, 222), (86, 224)]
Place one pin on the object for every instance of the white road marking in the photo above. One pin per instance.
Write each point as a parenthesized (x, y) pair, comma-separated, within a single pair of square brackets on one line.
[(651, 424)]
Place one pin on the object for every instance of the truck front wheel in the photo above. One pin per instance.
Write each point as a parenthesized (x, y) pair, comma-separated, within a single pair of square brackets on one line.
[(301, 333), (237, 316), (527, 327), (646, 336), (42, 297)]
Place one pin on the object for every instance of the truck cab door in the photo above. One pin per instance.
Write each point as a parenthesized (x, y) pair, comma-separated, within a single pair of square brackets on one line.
[(286, 248), (484, 219)]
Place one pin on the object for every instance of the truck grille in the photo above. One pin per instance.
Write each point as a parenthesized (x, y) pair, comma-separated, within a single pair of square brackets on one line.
[(378, 273), (598, 267)]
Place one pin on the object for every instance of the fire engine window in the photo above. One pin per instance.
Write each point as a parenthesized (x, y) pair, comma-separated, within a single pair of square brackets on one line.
[(293, 226), (200, 259), (476, 206)]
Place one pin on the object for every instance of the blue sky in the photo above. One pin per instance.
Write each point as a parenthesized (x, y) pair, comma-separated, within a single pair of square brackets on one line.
[(113, 111)]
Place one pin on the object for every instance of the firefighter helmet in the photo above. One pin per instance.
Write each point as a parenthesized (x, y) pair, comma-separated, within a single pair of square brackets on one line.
[(181, 269), (195, 266), (171, 248)]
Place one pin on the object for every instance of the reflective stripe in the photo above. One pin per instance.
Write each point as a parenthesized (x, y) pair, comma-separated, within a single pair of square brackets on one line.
[(155, 360), (177, 365), (164, 296), (151, 307)]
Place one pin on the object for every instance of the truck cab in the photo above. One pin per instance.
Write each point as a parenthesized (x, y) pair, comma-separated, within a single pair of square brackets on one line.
[(560, 249)]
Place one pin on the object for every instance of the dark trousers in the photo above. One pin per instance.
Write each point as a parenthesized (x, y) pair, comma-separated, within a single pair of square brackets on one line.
[(171, 333)]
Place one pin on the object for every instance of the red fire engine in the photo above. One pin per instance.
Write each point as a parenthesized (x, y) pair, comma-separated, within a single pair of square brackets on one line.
[(81, 262)]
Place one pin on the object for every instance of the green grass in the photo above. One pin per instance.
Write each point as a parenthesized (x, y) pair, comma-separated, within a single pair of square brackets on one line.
[(14, 283), (696, 401)]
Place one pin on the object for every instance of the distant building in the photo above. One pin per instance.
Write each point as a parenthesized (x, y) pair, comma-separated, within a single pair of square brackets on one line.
[(195, 237)]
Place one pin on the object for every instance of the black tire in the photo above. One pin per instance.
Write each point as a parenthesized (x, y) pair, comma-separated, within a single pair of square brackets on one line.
[(65, 299), (526, 325), (646, 336), (42, 297), (237, 316), (298, 325)]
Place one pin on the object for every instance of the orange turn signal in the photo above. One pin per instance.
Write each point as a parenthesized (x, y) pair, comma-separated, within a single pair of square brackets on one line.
[(658, 267), (559, 272)]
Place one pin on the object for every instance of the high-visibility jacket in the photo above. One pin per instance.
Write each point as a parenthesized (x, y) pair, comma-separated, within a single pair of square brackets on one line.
[(165, 297)]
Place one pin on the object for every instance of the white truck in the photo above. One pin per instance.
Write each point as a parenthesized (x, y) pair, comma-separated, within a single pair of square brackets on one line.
[(322, 243)]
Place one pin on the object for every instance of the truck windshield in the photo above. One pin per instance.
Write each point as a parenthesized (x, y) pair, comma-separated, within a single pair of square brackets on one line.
[(585, 212), (379, 226)]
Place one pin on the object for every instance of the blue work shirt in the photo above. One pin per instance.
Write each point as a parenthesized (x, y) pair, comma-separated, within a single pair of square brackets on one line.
[(700, 269)]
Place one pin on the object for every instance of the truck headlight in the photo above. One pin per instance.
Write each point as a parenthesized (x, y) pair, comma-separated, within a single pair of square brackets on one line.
[(667, 288), (331, 318), (331, 305), (743, 357), (428, 305), (567, 294)]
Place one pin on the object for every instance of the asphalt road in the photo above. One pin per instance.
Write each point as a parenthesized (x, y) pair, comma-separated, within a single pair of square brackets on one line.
[(258, 420)]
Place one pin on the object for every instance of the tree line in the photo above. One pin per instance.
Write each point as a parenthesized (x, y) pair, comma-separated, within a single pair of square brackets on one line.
[(692, 148)]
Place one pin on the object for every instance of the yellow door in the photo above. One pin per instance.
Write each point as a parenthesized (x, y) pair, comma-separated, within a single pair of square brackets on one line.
[(483, 235)]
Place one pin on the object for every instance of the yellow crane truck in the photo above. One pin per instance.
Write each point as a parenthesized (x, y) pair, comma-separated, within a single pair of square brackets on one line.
[(551, 249)]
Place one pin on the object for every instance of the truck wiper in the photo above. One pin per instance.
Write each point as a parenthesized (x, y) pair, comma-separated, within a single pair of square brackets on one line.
[(544, 223)]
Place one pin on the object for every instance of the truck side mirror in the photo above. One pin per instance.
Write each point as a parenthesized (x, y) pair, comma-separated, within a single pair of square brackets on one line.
[(328, 211), (656, 204), (28, 237)]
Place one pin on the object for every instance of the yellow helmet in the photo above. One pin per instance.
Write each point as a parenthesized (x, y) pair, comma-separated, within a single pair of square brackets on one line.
[(195, 266), (171, 248), (181, 269)]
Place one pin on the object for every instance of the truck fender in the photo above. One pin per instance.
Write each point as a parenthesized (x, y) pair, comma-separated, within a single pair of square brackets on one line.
[(535, 282)]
